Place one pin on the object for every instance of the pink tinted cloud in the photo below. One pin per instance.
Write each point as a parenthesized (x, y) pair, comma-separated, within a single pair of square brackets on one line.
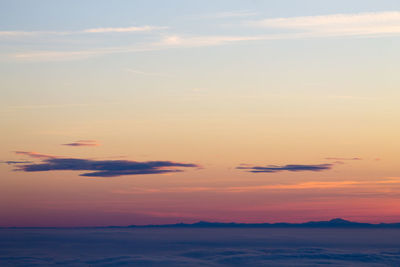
[(35, 155), (351, 184)]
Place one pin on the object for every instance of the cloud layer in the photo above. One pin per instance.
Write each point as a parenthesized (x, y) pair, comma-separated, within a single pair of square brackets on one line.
[(205, 247), (290, 167)]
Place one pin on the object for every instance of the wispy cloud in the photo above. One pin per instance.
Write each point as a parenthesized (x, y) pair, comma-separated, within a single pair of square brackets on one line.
[(12, 162), (243, 189), (48, 55), (374, 23), (364, 185), (290, 167), (198, 41), (20, 33), (123, 29), (166, 42), (83, 143), (102, 168), (338, 158), (305, 185), (61, 55), (130, 29), (335, 25), (35, 155)]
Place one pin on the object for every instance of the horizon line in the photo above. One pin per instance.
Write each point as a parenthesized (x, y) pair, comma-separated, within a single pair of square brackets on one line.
[(332, 223)]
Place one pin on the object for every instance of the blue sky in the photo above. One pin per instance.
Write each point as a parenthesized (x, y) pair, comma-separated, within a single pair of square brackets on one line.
[(63, 15)]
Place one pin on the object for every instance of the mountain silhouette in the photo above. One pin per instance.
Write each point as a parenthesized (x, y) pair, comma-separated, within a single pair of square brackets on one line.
[(333, 223)]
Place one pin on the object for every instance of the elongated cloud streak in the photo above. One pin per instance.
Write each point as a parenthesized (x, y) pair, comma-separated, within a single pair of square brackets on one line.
[(335, 158), (290, 167), (35, 155), (83, 143), (337, 24), (123, 29), (105, 168), (11, 162), (366, 186), (129, 29)]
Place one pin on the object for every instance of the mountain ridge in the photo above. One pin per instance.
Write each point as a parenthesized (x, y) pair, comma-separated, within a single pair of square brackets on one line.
[(333, 223)]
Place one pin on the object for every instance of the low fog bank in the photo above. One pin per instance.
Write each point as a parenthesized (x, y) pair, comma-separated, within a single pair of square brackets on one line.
[(200, 247)]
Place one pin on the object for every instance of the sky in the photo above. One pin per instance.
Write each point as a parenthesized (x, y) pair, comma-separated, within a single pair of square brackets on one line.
[(152, 112)]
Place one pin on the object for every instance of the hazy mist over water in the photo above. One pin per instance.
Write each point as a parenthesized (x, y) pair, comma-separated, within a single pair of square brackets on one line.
[(200, 247)]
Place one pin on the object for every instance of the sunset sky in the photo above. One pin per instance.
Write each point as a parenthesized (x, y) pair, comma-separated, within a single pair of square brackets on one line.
[(151, 112)]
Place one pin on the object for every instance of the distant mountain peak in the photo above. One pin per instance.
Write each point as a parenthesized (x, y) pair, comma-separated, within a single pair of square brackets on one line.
[(339, 221)]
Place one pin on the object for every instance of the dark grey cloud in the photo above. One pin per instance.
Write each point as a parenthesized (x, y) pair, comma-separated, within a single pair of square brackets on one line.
[(11, 162), (80, 144), (290, 167), (83, 143), (106, 168)]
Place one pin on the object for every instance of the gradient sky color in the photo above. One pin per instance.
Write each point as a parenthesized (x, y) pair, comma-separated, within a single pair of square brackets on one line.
[(245, 111)]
